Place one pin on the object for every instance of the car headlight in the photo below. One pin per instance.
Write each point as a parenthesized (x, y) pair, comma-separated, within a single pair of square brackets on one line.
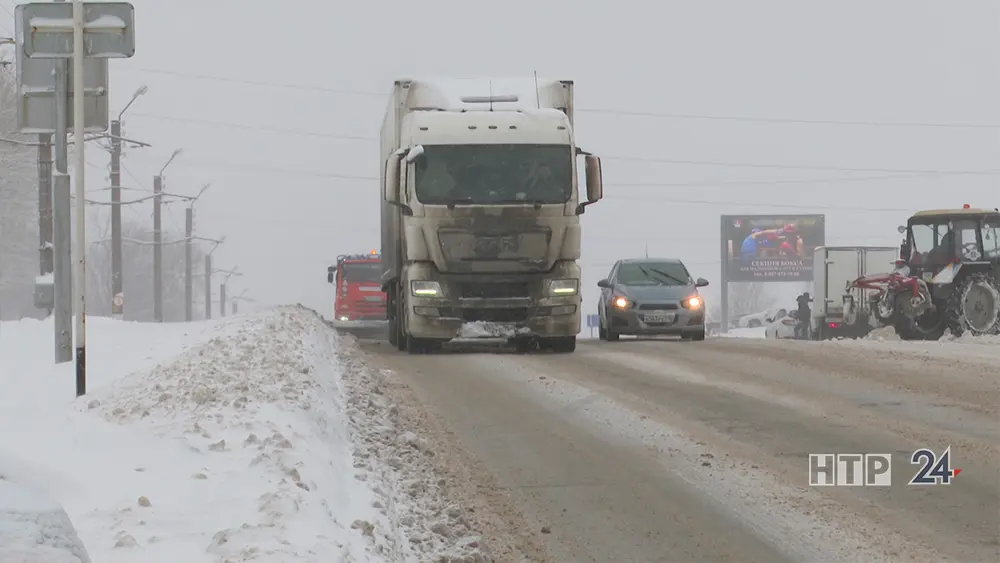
[(425, 288), (564, 287), (622, 302), (693, 302)]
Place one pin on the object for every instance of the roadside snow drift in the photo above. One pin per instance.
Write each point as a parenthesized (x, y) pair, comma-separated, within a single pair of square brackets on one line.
[(257, 438), (34, 529)]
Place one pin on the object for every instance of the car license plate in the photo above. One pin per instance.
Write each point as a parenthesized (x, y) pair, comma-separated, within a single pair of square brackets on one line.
[(659, 318)]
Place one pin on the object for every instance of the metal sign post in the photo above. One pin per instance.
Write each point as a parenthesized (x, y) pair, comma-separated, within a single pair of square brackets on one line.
[(76, 31)]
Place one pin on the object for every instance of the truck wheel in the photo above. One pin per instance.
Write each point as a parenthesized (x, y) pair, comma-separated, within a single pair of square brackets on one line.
[(560, 344), (601, 333), (974, 306)]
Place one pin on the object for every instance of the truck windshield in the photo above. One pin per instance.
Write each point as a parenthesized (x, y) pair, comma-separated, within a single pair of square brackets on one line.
[(362, 272), (488, 174)]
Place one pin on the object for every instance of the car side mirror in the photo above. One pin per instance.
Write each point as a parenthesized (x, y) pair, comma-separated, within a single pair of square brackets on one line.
[(701, 282), (594, 180), (329, 273), (604, 283)]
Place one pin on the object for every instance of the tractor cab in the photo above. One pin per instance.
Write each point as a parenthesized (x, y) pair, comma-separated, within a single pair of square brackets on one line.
[(940, 239)]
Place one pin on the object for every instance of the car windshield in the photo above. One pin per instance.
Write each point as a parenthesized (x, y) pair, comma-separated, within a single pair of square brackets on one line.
[(362, 272), (654, 273), (485, 174)]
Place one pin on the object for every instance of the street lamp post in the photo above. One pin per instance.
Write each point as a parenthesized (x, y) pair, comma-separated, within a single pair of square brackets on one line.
[(117, 283), (158, 241)]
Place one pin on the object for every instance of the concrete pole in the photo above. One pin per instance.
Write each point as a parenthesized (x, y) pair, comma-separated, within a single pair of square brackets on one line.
[(188, 247), (117, 294), (222, 300), (208, 287), (79, 175), (157, 250), (62, 222)]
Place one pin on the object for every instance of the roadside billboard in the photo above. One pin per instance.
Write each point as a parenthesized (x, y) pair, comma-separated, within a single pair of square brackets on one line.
[(762, 248)]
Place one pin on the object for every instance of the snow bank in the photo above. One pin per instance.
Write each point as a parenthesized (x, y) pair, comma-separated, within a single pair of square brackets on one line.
[(261, 467), (757, 332), (206, 442), (34, 529)]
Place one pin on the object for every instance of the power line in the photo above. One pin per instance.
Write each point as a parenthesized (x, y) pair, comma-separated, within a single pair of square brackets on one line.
[(719, 163), (604, 111)]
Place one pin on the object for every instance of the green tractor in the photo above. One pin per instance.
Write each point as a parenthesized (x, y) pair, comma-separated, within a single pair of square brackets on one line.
[(948, 276)]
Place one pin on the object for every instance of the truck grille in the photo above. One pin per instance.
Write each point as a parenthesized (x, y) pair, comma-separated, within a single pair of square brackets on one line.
[(495, 315), (485, 290)]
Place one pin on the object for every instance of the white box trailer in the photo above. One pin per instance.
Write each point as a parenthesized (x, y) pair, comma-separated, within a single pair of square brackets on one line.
[(834, 267)]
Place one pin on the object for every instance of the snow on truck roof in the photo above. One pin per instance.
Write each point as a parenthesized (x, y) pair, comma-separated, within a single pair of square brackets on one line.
[(519, 93)]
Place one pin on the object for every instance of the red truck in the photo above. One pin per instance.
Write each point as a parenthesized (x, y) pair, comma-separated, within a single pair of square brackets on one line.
[(360, 304)]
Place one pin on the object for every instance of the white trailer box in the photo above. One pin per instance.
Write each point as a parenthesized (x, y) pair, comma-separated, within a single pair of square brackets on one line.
[(834, 267)]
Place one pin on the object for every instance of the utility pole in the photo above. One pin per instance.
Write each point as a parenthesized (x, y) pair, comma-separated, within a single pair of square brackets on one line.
[(117, 278), (222, 300), (208, 286), (117, 295), (45, 254), (158, 240), (79, 173), (188, 247), (236, 302), (157, 251)]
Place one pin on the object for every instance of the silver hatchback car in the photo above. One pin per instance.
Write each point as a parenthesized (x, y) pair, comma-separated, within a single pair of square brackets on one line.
[(649, 297)]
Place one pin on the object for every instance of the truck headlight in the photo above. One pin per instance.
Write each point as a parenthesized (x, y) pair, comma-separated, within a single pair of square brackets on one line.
[(425, 288), (564, 287)]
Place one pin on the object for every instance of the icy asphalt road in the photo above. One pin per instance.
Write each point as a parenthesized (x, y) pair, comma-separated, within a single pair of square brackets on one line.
[(697, 451)]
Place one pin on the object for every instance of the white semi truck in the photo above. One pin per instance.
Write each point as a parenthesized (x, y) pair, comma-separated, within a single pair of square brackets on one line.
[(481, 212)]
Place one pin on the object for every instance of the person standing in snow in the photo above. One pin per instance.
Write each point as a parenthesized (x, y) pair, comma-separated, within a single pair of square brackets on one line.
[(804, 314)]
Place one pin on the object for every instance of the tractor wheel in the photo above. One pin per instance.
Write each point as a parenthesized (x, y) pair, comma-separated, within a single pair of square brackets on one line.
[(929, 326), (974, 306)]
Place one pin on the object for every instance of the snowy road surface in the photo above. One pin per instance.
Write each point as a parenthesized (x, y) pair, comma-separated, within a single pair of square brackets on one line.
[(681, 451)]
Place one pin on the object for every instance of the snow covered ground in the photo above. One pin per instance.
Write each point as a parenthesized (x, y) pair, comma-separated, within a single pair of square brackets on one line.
[(249, 439)]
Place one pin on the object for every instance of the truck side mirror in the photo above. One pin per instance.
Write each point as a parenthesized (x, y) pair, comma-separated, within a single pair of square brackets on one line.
[(701, 282), (329, 273), (390, 186), (604, 283), (594, 180), (901, 229)]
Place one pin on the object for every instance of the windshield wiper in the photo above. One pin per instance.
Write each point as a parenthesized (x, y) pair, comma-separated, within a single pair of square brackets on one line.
[(649, 275), (668, 276)]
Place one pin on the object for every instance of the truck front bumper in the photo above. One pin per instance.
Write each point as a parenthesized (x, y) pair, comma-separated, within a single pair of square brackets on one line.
[(363, 329), (445, 319)]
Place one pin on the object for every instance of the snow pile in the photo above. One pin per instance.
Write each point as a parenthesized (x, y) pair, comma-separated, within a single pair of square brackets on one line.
[(882, 334), (401, 463), (756, 332), (262, 465), (34, 529)]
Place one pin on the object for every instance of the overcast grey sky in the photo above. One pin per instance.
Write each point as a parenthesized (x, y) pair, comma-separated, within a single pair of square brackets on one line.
[(225, 77)]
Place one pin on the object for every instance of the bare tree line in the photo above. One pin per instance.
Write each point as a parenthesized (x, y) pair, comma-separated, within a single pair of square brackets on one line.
[(19, 241)]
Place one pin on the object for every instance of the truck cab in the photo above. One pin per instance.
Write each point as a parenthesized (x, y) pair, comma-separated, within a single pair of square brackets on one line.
[(480, 215), (359, 302)]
